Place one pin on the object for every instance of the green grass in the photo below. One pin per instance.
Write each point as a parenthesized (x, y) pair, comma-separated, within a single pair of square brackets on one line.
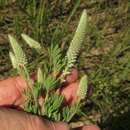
[(4, 3)]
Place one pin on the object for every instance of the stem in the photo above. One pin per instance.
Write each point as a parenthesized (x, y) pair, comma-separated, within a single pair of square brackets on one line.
[(74, 125)]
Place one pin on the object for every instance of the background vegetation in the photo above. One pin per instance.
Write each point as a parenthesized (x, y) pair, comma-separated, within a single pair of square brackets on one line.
[(105, 57)]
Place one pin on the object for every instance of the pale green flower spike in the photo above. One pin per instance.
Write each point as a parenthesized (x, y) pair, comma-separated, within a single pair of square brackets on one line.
[(13, 60), (31, 42), (40, 78), (83, 86), (18, 52), (76, 42)]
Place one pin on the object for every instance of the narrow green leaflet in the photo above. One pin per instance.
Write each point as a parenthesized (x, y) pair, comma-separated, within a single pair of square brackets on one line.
[(56, 58), (70, 111), (50, 83), (52, 104)]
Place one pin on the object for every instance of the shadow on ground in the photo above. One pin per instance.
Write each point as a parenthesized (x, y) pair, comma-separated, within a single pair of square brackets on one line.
[(121, 122)]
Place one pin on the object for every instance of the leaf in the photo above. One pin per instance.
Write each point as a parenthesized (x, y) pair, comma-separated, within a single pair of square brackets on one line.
[(56, 58), (36, 90), (52, 104), (77, 4), (70, 111), (31, 42), (50, 82)]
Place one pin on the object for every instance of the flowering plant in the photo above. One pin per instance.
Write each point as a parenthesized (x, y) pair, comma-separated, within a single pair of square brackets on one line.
[(43, 94)]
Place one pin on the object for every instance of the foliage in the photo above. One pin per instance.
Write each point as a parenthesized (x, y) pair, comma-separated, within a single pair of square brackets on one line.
[(110, 78), (5, 2), (49, 79), (105, 59)]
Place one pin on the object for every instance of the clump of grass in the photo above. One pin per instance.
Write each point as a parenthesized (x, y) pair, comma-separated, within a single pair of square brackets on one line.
[(5, 2), (110, 78)]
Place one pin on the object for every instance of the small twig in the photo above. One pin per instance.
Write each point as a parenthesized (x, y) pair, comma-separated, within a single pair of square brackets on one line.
[(74, 125)]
